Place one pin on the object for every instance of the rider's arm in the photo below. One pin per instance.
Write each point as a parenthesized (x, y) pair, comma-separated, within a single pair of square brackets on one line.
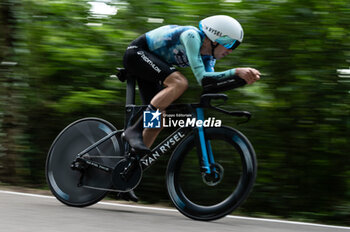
[(192, 43)]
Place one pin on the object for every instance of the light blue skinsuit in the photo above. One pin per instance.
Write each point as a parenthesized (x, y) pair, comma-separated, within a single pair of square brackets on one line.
[(180, 45)]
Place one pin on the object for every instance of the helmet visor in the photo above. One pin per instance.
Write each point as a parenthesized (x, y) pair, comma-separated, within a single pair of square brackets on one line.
[(227, 42)]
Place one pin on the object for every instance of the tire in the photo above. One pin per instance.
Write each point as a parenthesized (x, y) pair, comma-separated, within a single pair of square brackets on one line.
[(62, 180), (188, 190)]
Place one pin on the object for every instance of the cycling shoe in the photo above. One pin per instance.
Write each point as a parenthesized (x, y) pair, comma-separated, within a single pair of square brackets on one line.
[(135, 140)]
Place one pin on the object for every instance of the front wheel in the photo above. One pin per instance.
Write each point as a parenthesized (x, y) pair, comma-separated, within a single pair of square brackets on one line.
[(201, 198)]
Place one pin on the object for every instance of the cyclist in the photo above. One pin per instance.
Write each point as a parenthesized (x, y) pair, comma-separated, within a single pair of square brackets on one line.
[(150, 58)]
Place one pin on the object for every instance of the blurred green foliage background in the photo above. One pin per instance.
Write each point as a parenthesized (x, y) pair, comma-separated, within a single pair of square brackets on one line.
[(57, 60)]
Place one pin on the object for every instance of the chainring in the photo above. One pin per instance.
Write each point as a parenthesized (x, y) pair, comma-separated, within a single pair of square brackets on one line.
[(127, 175)]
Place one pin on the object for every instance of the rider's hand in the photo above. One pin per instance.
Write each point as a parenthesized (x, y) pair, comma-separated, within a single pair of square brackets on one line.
[(250, 75)]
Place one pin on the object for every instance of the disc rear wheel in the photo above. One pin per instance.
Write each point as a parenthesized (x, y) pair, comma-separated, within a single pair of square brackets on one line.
[(68, 184)]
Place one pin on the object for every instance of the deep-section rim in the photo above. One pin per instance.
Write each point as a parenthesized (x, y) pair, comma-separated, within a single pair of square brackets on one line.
[(182, 203)]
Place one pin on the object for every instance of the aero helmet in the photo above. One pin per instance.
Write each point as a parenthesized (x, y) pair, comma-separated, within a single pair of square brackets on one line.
[(222, 29)]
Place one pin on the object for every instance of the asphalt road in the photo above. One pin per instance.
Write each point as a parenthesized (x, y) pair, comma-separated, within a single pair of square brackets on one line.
[(35, 213)]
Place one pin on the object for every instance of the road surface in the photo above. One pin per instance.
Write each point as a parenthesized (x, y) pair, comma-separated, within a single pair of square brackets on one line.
[(35, 213)]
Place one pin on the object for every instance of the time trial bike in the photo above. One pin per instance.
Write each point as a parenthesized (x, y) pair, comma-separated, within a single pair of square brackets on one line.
[(210, 173)]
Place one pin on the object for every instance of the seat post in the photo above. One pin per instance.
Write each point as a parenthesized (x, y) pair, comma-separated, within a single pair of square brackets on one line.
[(130, 102), (130, 91)]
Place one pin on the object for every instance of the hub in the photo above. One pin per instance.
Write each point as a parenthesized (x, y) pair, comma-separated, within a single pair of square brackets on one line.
[(215, 177)]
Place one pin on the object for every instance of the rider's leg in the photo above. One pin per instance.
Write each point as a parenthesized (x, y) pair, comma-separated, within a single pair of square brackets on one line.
[(175, 85), (136, 61), (140, 62)]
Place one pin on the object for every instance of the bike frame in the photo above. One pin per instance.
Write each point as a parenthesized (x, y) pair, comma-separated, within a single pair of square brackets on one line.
[(204, 151), (166, 145)]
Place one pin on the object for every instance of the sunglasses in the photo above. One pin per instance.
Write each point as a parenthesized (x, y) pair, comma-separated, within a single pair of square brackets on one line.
[(227, 42)]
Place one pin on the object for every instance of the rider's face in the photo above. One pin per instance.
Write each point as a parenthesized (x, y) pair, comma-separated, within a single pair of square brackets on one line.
[(220, 52)]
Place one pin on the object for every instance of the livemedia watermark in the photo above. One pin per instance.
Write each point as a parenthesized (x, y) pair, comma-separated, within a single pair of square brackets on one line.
[(153, 119)]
